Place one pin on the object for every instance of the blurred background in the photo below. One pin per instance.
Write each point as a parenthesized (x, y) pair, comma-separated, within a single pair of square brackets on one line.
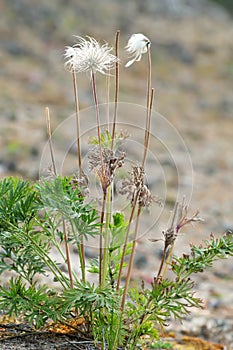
[(192, 69)]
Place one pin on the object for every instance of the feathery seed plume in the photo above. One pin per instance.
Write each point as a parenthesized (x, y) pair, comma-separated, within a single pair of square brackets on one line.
[(87, 55), (137, 45)]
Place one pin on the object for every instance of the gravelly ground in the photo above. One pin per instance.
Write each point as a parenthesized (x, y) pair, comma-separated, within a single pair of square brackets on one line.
[(45, 342)]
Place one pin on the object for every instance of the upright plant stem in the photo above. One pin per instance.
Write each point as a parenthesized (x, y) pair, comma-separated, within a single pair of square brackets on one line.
[(102, 179), (67, 253), (68, 260), (101, 281), (126, 241), (146, 144), (109, 189), (148, 102), (77, 122), (161, 263), (47, 114), (131, 260), (97, 121), (116, 87), (148, 77), (107, 234), (107, 100), (82, 252), (82, 266), (147, 131)]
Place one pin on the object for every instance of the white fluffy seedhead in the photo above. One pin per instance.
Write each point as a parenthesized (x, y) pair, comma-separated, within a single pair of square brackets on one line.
[(87, 55), (137, 45)]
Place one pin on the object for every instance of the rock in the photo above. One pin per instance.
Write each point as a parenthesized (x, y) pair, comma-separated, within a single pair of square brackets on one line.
[(179, 52), (16, 49), (34, 151), (12, 166), (141, 261)]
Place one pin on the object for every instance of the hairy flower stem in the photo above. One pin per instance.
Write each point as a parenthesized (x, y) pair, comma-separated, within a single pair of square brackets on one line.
[(107, 100), (131, 260), (48, 123), (81, 262), (126, 241), (102, 177), (68, 260), (147, 131), (168, 259), (148, 78), (101, 281), (82, 252), (149, 100), (67, 253), (107, 235), (82, 266), (161, 263), (146, 144), (109, 189), (116, 87), (149, 104), (97, 121), (77, 122)]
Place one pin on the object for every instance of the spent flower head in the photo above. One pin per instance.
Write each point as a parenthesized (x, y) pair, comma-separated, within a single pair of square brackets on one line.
[(136, 188), (88, 55), (137, 45), (111, 162)]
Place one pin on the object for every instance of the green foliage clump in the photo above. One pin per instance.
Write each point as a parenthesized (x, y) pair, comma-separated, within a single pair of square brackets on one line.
[(31, 217)]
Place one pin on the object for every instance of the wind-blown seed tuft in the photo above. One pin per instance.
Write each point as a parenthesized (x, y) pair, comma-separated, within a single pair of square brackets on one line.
[(137, 45), (87, 55)]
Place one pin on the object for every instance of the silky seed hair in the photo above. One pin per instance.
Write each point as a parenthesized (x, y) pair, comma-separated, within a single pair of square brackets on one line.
[(138, 44), (88, 55)]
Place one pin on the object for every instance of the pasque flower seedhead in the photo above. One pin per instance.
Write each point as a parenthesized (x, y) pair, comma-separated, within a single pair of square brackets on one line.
[(137, 45), (88, 55), (136, 188)]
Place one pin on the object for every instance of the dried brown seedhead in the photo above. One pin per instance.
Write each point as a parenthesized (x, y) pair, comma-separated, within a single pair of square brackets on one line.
[(179, 220), (111, 162), (170, 236), (135, 188)]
